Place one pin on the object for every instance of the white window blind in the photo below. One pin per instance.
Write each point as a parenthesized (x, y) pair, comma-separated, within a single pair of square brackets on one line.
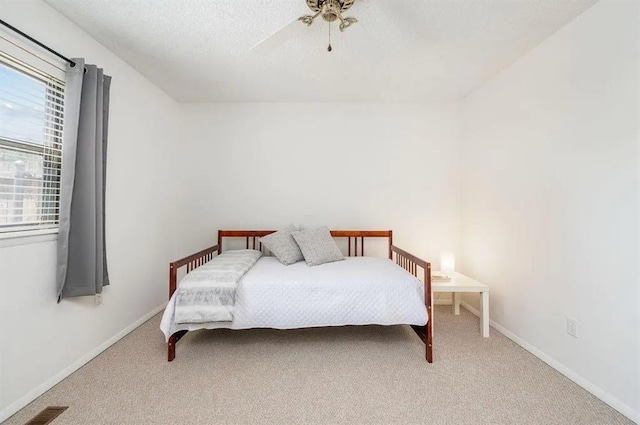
[(31, 122)]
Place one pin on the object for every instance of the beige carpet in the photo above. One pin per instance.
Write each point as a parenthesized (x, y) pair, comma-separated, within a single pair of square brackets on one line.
[(354, 375)]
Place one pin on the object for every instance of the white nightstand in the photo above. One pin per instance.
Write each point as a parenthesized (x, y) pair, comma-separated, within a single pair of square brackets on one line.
[(460, 283)]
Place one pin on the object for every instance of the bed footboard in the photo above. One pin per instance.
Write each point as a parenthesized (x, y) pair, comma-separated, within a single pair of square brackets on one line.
[(190, 262), (412, 264)]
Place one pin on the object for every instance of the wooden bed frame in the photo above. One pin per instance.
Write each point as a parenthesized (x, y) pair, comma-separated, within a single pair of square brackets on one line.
[(402, 258)]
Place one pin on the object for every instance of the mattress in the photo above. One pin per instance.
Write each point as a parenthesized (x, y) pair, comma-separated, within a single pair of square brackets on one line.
[(356, 291)]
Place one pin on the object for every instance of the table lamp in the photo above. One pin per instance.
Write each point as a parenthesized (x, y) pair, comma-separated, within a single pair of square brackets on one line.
[(447, 263)]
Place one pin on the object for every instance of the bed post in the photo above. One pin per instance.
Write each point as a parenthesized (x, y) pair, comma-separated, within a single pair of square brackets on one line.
[(173, 339), (171, 348), (390, 244), (173, 277), (219, 242), (428, 340)]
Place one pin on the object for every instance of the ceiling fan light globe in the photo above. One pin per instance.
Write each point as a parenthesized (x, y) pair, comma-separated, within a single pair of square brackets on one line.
[(347, 22), (329, 16), (306, 19)]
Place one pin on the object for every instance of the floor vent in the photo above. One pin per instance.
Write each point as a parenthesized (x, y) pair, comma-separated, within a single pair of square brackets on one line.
[(47, 415)]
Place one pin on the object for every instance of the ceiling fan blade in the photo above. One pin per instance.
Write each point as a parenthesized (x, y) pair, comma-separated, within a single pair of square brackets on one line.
[(278, 38)]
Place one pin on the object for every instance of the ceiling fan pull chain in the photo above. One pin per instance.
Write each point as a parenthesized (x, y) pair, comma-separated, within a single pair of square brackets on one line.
[(329, 48)]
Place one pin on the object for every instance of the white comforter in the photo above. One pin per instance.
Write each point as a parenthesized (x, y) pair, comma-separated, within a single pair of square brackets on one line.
[(356, 291)]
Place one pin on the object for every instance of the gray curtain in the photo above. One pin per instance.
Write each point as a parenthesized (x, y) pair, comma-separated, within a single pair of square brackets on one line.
[(82, 263)]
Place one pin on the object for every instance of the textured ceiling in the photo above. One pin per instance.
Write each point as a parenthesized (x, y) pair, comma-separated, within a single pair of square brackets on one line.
[(400, 50)]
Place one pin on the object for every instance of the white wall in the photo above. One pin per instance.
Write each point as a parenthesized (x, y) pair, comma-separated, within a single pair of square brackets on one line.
[(550, 198), (42, 340), (367, 166)]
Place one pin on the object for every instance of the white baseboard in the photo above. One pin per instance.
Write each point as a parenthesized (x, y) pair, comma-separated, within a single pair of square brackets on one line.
[(592, 388), (49, 383)]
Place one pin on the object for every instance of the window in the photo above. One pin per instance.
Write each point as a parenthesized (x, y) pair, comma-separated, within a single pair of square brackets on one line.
[(31, 121)]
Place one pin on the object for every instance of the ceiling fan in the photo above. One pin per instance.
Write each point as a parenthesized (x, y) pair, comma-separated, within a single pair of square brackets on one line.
[(330, 11)]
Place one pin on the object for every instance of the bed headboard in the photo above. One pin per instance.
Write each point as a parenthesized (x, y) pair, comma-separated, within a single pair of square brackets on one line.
[(252, 238)]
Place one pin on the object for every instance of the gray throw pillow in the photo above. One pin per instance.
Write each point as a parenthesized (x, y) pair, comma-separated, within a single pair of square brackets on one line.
[(317, 246), (283, 246)]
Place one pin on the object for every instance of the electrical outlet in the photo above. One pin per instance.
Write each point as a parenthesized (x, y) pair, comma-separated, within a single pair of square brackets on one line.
[(98, 299), (572, 326)]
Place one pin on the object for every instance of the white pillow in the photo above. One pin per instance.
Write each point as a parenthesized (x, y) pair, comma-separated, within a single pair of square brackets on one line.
[(283, 246), (317, 246)]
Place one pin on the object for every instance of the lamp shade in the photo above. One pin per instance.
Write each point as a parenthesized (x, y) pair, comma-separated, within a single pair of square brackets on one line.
[(447, 262)]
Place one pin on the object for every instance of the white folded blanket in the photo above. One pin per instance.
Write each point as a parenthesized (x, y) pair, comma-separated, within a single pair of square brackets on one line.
[(208, 293)]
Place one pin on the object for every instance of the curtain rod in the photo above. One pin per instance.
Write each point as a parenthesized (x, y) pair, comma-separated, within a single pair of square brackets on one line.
[(33, 40)]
